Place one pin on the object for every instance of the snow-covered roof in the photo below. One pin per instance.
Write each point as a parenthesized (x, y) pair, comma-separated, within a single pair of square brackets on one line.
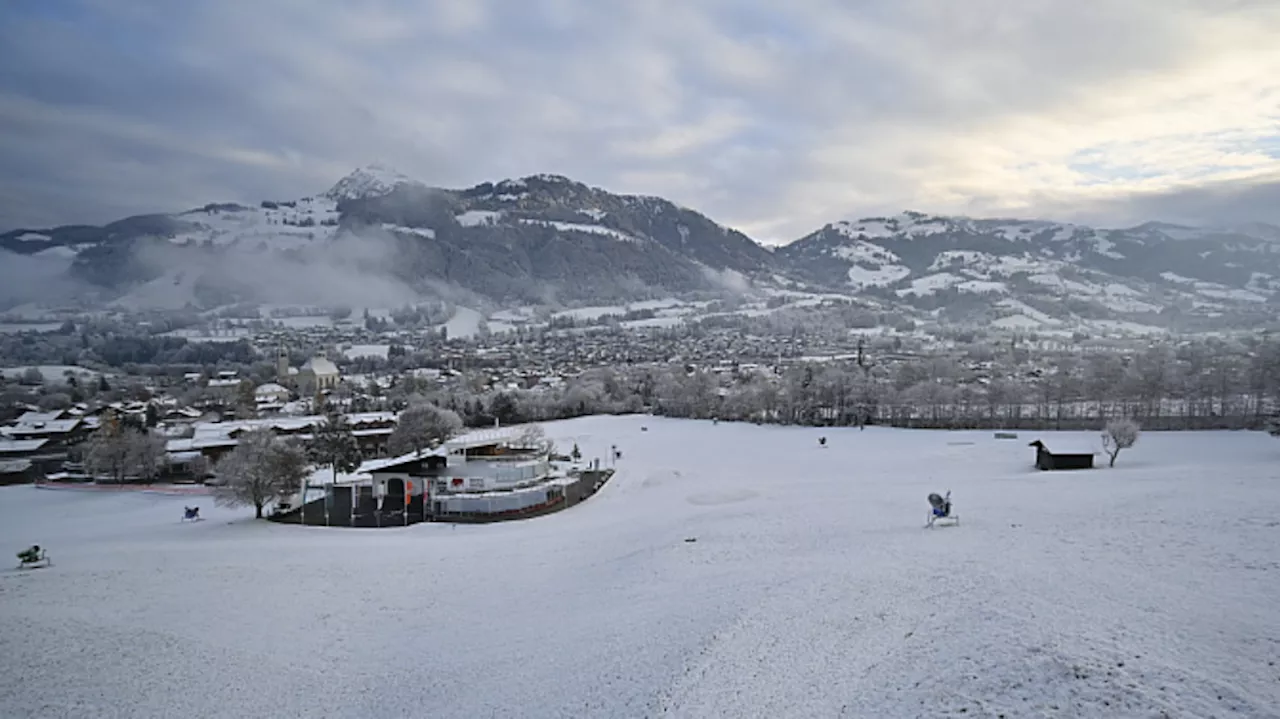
[(371, 417), (34, 417), (271, 388), (14, 466), (21, 445), (198, 443), (57, 426), (482, 437), (320, 366), (376, 465), (224, 430), (1070, 445)]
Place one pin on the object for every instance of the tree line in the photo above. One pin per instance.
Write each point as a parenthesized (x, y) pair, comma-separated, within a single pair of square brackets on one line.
[(1163, 386)]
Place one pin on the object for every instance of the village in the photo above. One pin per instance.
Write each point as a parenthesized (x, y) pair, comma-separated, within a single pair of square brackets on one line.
[(187, 399)]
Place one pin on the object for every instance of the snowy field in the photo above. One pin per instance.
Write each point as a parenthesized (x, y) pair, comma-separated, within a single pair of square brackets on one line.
[(812, 590)]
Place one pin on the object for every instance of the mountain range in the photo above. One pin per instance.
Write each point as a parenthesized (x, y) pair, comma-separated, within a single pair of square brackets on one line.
[(378, 236)]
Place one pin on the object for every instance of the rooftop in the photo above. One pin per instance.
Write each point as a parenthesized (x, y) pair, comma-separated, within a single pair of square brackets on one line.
[(15, 446), (483, 438), (57, 426), (384, 463)]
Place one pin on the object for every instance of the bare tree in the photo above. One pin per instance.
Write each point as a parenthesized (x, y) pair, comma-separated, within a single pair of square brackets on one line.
[(260, 468), (1117, 435), (421, 426), (534, 437), (199, 468)]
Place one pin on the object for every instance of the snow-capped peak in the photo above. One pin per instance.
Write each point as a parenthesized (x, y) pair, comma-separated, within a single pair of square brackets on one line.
[(908, 224), (369, 181)]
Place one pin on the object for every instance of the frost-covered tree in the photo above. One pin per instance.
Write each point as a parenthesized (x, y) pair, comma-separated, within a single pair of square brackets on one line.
[(1117, 435), (422, 425), (260, 468), (120, 451), (246, 399), (535, 437), (148, 452)]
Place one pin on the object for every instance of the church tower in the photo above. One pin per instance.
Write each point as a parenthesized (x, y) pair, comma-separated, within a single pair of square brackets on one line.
[(282, 365)]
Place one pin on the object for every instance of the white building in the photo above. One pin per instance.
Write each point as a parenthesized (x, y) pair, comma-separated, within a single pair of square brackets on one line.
[(271, 393), (320, 372)]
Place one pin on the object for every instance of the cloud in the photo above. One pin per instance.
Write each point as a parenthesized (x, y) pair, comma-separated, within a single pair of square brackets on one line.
[(27, 278), (774, 118), (1225, 203)]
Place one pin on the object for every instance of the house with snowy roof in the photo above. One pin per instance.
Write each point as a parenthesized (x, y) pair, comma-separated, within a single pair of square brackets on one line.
[(270, 396), (216, 439), (58, 427)]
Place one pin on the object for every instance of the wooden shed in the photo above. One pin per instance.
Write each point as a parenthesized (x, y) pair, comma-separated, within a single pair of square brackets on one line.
[(1047, 460)]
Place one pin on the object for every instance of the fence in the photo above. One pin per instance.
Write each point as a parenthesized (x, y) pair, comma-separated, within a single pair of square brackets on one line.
[(170, 490)]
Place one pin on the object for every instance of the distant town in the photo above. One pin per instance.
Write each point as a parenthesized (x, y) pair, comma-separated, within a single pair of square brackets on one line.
[(193, 379)]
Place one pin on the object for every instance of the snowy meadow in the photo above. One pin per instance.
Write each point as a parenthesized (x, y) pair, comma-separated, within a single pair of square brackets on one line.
[(811, 589)]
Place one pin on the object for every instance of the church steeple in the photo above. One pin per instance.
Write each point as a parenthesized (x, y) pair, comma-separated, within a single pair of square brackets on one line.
[(282, 365)]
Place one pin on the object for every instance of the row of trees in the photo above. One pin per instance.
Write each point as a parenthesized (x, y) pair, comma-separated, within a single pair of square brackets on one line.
[(1162, 391), (122, 450)]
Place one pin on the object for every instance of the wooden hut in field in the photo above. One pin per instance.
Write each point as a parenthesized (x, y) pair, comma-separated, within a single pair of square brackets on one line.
[(1047, 460)]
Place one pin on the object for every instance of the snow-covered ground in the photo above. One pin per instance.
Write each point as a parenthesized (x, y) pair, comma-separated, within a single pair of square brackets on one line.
[(812, 590), (52, 373), (355, 351), (465, 323)]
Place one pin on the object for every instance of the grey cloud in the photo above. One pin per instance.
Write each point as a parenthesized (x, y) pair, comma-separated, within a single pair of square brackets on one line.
[(775, 118), (1219, 204)]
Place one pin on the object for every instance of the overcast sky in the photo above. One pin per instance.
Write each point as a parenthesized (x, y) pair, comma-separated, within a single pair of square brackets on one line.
[(773, 117)]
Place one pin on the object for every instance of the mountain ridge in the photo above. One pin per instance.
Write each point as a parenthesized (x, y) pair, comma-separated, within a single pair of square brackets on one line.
[(547, 238)]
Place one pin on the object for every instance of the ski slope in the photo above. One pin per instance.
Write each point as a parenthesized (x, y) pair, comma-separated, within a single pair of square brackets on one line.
[(811, 590)]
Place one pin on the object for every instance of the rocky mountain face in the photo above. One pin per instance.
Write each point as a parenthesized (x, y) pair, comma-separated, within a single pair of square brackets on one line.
[(380, 237)]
